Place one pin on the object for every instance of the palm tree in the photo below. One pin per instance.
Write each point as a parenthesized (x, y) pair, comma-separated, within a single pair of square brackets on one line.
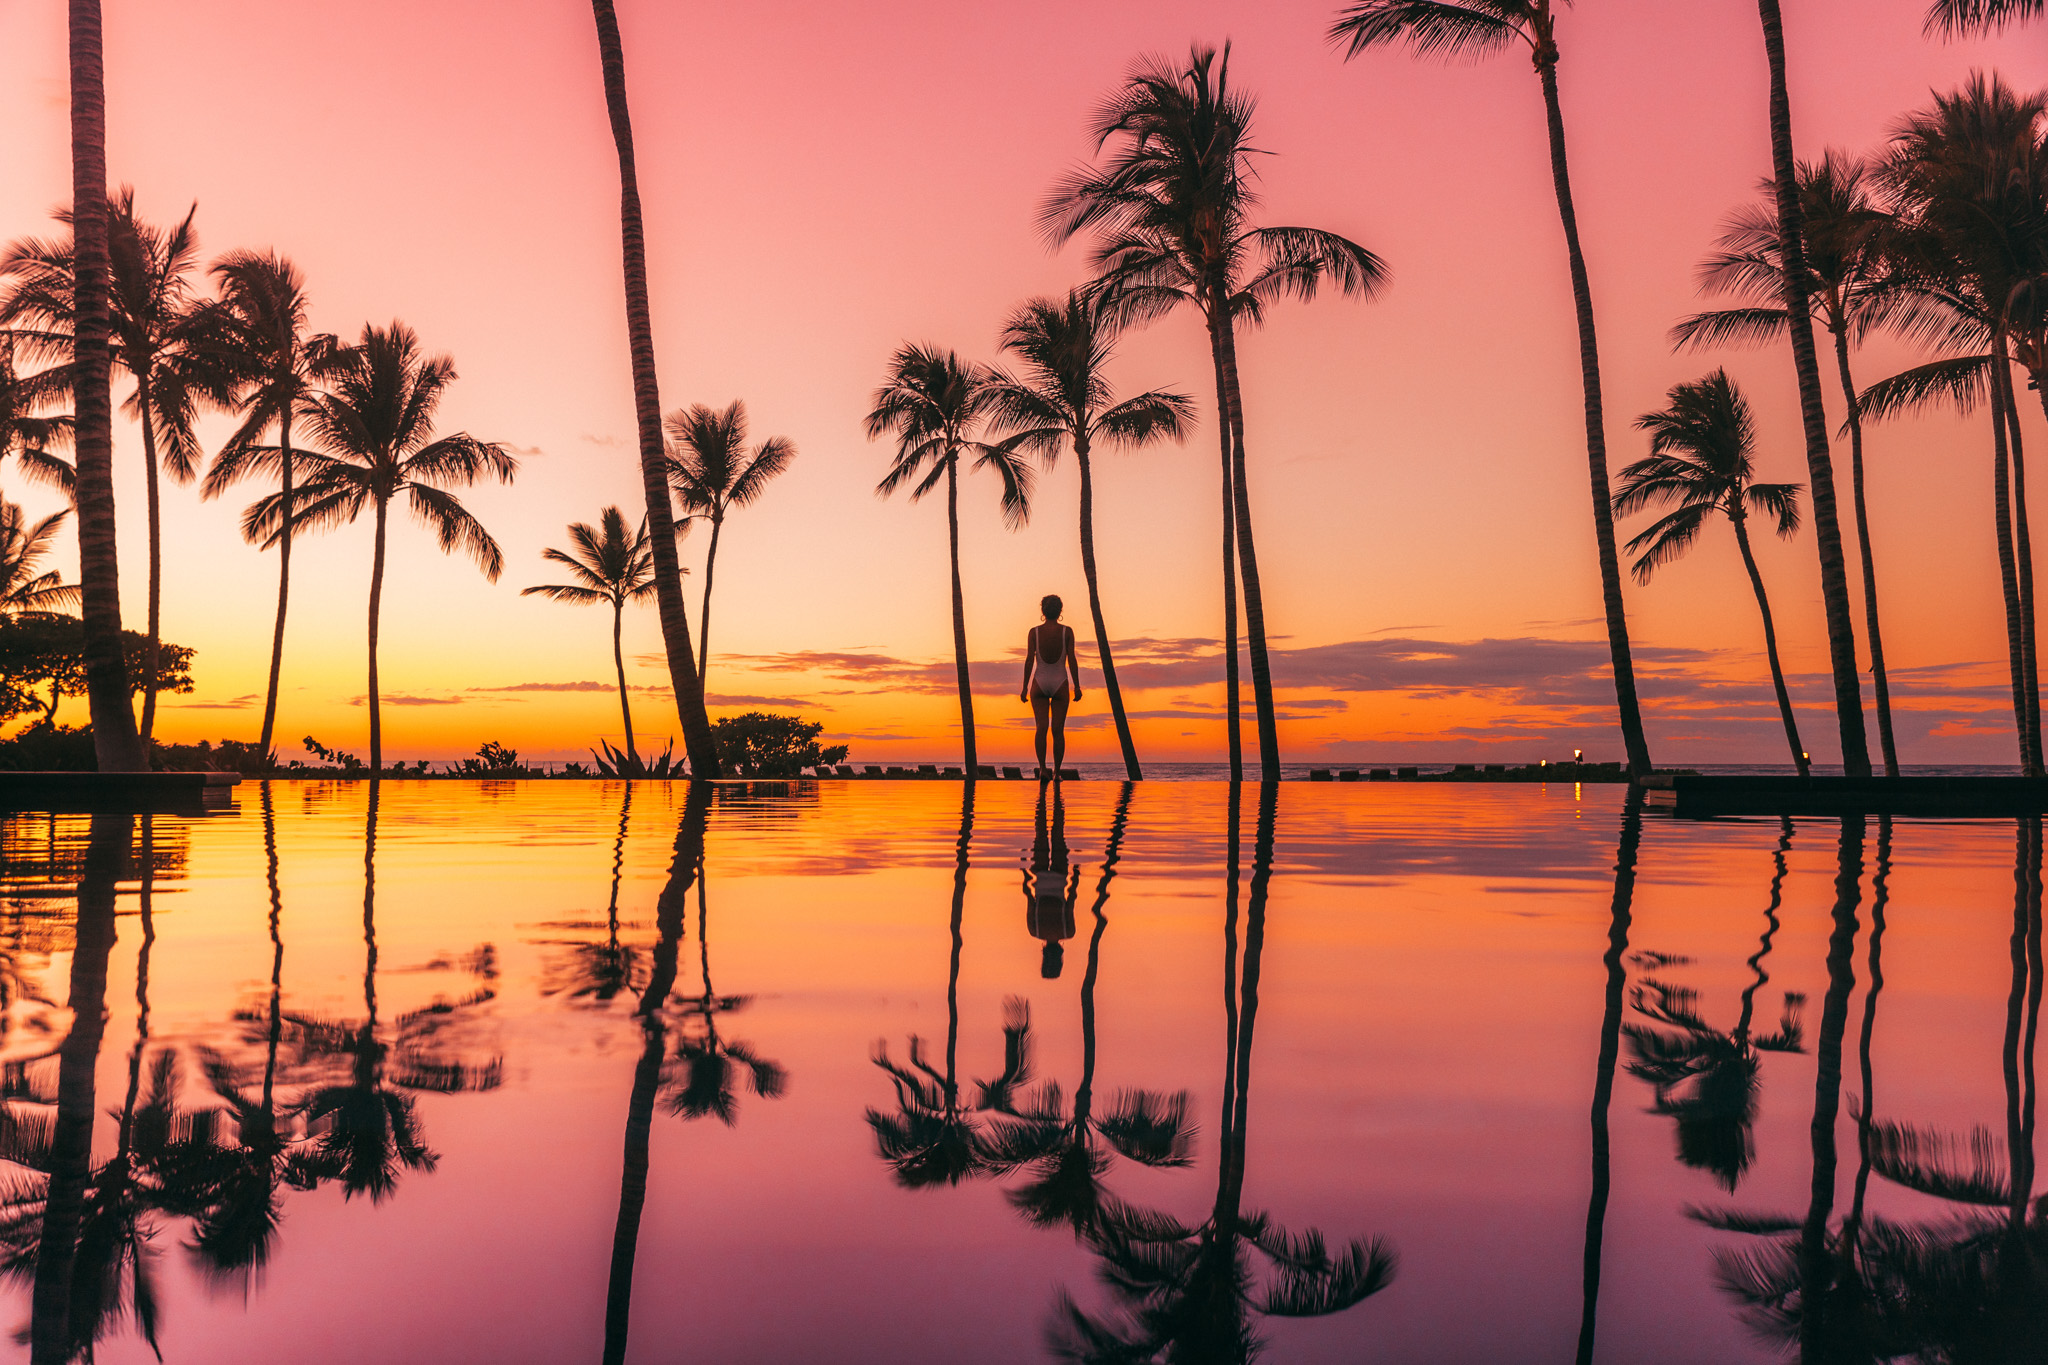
[(934, 404), (1064, 399), (1954, 17), (1700, 458), (374, 435), (274, 369), (1969, 178), (24, 434), (600, 972), (1172, 208), (713, 472), (22, 548), (608, 566), (153, 319), (698, 740), (1476, 28), (116, 745), (1827, 531), (1856, 289)]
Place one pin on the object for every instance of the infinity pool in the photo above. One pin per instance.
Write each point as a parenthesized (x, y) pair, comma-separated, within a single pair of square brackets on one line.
[(906, 1072)]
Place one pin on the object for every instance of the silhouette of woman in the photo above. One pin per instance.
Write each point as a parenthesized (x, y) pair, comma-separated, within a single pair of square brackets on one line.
[(1051, 886), (1048, 660)]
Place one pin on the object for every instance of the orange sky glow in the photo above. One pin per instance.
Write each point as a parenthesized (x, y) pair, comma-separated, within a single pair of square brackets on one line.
[(824, 183)]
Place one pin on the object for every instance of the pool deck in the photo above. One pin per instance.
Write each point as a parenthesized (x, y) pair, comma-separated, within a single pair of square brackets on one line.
[(1695, 797), (137, 793)]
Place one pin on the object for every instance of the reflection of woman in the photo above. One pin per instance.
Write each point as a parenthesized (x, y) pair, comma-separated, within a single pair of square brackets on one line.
[(1048, 660), (1050, 885)]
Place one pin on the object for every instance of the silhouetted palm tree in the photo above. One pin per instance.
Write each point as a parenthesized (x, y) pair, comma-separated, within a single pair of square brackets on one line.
[(1172, 210), (608, 566), (27, 429), (1190, 1293), (698, 740), (708, 1068), (1065, 399), (272, 369), (1970, 180), (154, 321), (1856, 290), (1700, 458), (713, 472), (1474, 28), (374, 432), (1952, 17), (935, 405), (22, 549), (1820, 474)]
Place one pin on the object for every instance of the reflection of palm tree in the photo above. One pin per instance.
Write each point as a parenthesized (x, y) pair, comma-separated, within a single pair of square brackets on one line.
[(705, 1076), (1058, 1148), (1704, 1078), (1620, 917), (598, 972), (1190, 1293)]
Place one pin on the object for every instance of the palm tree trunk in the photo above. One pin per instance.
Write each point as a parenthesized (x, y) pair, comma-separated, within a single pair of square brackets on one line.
[(1248, 991), (698, 739), (116, 745), (1880, 896), (1880, 682), (153, 645), (1816, 1265), (1620, 917), (2008, 569), (1247, 553), (619, 662), (1232, 844), (2023, 555), (704, 615), (1621, 659), (1232, 702), (1763, 605), (50, 1330), (376, 599), (275, 1034), (1827, 531), (1109, 683), (284, 580), (959, 614)]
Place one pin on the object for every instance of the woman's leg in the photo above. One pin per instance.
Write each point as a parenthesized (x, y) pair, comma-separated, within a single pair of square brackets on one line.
[(1058, 707), (1040, 704)]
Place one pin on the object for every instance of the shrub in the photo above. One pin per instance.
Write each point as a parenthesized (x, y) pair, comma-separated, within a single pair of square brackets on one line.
[(760, 744), (494, 760), (228, 756), (46, 748)]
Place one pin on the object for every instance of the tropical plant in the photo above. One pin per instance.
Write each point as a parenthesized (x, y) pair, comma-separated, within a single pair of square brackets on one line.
[(1064, 400), (612, 567), (1820, 473), (267, 368), (1478, 28), (373, 433), (758, 744), (612, 763), (1969, 178), (24, 584), (39, 648), (1954, 17), (154, 338), (1701, 458), (1856, 289), (1171, 208), (668, 580), (935, 404), (713, 472), (27, 431)]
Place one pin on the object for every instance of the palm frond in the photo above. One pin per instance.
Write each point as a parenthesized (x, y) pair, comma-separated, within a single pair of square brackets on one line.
[(1960, 382), (1447, 29), (455, 527)]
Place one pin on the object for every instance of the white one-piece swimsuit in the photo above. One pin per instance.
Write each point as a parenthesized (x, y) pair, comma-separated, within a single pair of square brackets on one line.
[(1048, 676)]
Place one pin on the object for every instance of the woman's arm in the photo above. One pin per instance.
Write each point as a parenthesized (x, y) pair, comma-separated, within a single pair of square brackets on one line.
[(1030, 657), (1073, 661)]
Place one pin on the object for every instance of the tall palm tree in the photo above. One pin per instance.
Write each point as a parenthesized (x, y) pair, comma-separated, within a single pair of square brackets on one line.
[(27, 431), (373, 432), (153, 318), (1969, 178), (1065, 399), (1820, 473), (273, 369), (1701, 458), (713, 472), (22, 547), (608, 566), (116, 745), (1477, 28), (1954, 17), (698, 740), (1172, 208), (935, 405), (1856, 290)]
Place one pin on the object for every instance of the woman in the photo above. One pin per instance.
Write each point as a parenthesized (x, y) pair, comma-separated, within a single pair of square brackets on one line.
[(1048, 660)]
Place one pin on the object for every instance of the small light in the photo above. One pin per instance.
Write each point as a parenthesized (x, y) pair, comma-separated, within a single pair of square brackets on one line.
[(1578, 754), (1805, 757)]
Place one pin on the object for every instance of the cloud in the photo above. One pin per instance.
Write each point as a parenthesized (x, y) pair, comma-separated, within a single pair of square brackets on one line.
[(230, 704), (608, 442), (749, 699), (527, 451), (405, 699), (547, 687)]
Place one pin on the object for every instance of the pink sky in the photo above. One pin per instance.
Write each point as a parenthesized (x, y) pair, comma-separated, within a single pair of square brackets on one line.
[(823, 183)]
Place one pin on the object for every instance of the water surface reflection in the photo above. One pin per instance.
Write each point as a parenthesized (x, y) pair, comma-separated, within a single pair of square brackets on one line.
[(938, 1138)]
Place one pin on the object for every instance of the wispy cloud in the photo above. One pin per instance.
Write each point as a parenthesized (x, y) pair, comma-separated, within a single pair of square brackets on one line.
[(407, 699), (229, 704), (548, 687)]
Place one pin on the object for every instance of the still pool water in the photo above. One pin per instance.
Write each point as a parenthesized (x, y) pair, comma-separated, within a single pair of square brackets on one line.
[(901, 1072)]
